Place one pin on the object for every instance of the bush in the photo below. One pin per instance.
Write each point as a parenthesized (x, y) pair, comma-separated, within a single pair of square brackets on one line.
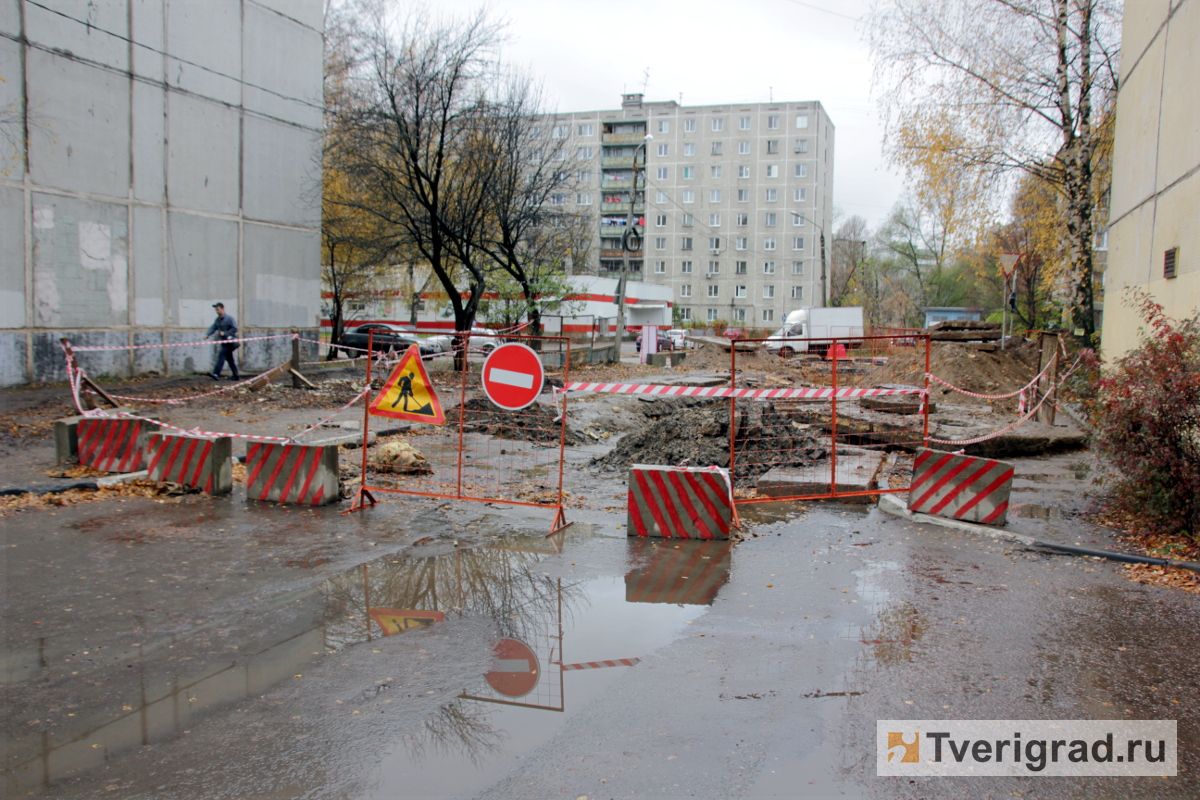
[(1145, 418)]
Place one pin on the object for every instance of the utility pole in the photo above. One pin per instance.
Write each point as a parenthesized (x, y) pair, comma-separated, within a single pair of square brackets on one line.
[(629, 242), (824, 269)]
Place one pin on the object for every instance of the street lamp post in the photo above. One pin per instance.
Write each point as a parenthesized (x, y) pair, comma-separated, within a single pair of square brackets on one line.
[(629, 243), (824, 273)]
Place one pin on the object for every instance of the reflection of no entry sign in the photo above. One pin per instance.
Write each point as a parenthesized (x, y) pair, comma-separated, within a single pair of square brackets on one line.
[(512, 376), (516, 670)]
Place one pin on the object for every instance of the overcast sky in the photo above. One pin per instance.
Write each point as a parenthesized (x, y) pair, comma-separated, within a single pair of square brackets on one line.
[(702, 52)]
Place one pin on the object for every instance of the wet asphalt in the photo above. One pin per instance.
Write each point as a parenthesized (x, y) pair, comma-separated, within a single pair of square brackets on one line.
[(219, 648)]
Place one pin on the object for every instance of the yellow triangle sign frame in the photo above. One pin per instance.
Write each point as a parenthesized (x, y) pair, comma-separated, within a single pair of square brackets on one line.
[(409, 384)]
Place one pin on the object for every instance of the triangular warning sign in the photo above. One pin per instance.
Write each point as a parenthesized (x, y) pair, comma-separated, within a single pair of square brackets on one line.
[(397, 620), (408, 393)]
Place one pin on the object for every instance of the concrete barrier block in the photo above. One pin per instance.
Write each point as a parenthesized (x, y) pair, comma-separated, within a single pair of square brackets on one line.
[(113, 444), (292, 473), (204, 463), (679, 502), (961, 487)]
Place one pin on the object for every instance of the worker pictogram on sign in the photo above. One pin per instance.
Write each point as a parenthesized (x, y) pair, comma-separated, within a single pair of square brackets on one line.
[(516, 670), (513, 376), (408, 393), (399, 620)]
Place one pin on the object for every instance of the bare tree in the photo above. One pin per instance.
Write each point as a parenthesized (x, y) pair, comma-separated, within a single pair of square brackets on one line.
[(998, 87), (847, 254)]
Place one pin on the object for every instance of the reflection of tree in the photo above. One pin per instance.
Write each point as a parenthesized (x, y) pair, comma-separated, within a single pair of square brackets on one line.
[(897, 628), (458, 725)]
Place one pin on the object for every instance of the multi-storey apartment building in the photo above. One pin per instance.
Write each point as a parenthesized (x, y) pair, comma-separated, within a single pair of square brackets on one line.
[(731, 200)]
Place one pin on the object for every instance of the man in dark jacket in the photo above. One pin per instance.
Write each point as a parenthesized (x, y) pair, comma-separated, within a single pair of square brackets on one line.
[(225, 327)]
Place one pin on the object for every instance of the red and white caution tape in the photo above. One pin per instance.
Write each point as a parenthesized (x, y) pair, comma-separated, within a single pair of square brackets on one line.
[(725, 391), (612, 662), (1027, 386), (96, 348), (193, 432), (334, 414)]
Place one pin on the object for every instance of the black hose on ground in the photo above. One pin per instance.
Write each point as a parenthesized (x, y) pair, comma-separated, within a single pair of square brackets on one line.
[(49, 488), (1128, 558)]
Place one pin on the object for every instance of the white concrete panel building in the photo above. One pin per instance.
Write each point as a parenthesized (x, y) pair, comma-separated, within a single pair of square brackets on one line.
[(731, 204), (156, 157)]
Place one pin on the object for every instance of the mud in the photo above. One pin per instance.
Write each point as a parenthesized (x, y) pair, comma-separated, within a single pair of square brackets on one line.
[(535, 423), (967, 367)]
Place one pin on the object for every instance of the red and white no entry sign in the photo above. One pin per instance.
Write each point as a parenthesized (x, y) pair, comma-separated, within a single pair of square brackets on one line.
[(516, 670), (513, 376)]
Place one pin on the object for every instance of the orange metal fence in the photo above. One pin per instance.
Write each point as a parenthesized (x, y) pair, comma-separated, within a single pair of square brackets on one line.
[(482, 453), (854, 438)]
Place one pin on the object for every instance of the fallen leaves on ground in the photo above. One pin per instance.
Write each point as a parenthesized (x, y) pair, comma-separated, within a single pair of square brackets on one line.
[(77, 471), (1172, 577), (163, 492)]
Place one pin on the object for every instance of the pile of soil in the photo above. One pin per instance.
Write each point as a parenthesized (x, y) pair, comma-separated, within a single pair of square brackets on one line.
[(533, 423), (699, 437), (715, 358), (967, 367)]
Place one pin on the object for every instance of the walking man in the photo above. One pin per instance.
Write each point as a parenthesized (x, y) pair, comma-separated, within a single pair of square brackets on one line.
[(225, 327)]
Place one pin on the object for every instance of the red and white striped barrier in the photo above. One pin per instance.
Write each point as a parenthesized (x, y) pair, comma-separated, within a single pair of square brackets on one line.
[(690, 573), (679, 502), (961, 487), (292, 473), (615, 662), (725, 391), (203, 463), (114, 444)]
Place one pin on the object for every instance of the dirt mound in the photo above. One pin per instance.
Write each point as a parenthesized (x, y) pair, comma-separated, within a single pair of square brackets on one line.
[(699, 437), (533, 423), (967, 367), (716, 358)]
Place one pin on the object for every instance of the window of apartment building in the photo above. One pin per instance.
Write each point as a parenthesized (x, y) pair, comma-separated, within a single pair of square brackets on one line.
[(661, 173), (741, 243), (802, 120), (797, 267), (718, 124), (562, 177), (743, 219), (739, 315), (715, 171), (685, 314), (769, 243), (689, 148), (797, 219), (660, 267), (800, 195), (686, 244), (689, 173), (557, 199), (536, 133), (585, 176), (560, 132), (797, 292), (744, 171), (689, 126), (685, 267), (660, 220), (743, 195), (664, 149), (687, 220), (664, 126), (714, 220), (769, 291), (740, 267), (586, 152), (685, 290), (802, 145), (743, 148), (714, 290), (769, 219), (587, 129), (714, 244), (772, 170), (583, 199), (739, 292), (714, 267), (716, 148), (768, 268), (802, 170), (743, 123), (797, 242), (660, 243), (772, 195), (712, 315), (768, 314), (714, 195), (773, 122), (772, 147), (689, 196), (660, 197), (560, 154)]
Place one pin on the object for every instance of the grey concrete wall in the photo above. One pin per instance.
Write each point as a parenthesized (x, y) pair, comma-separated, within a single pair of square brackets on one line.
[(156, 178)]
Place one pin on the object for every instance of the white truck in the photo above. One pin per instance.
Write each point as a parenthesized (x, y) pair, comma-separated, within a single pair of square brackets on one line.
[(813, 329)]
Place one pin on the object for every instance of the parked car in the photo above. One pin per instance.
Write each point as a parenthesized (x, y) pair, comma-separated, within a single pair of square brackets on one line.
[(733, 334), (665, 342), (678, 338), (386, 338), (482, 340)]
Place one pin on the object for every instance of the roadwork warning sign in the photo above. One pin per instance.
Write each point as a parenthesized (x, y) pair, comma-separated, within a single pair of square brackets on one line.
[(398, 620), (408, 393)]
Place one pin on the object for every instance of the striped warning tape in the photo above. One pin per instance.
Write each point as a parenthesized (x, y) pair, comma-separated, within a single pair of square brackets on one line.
[(613, 662), (725, 391), (97, 348), (100, 413), (1027, 386)]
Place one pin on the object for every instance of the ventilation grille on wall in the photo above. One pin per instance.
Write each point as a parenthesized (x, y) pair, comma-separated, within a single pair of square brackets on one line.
[(1169, 258)]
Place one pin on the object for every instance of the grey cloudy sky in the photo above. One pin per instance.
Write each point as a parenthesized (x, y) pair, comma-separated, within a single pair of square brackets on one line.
[(711, 51)]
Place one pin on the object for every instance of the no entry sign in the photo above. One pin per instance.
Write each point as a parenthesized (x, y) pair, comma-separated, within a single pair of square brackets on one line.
[(512, 376), (516, 670)]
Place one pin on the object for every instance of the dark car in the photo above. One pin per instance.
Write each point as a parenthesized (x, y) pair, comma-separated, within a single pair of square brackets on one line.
[(386, 339)]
